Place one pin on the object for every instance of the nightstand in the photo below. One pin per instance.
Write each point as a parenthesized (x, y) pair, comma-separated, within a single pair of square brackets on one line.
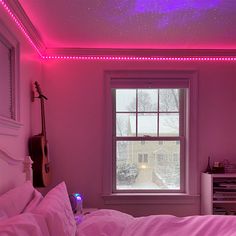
[(88, 210)]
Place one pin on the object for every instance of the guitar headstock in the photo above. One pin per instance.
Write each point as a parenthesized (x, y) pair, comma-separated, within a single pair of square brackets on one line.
[(37, 86)]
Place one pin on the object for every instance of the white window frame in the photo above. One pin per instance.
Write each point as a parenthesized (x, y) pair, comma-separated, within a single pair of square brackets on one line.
[(190, 193), (153, 84), (11, 125)]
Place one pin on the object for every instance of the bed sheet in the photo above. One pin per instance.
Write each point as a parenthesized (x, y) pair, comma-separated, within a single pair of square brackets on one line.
[(115, 223)]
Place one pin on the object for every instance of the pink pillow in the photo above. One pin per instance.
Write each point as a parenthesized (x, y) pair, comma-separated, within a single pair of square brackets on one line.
[(56, 209), (37, 198), (25, 225), (15, 200)]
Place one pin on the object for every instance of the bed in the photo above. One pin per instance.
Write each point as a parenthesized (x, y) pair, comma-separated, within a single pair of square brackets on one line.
[(25, 212)]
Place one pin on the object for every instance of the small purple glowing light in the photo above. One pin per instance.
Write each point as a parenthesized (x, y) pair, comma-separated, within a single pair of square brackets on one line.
[(78, 196)]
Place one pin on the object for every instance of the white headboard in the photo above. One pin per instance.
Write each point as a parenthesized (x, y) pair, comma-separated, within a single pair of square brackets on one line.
[(13, 172)]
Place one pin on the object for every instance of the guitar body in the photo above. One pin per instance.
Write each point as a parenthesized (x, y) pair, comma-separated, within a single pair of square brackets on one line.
[(38, 150)]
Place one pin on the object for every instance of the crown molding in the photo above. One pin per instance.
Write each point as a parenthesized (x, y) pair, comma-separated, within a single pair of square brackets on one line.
[(141, 52), (33, 33)]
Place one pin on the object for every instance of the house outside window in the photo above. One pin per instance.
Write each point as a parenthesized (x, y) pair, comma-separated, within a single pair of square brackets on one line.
[(153, 133), (142, 157)]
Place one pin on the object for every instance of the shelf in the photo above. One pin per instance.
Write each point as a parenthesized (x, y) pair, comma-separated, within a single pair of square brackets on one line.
[(218, 191), (223, 175), (222, 201)]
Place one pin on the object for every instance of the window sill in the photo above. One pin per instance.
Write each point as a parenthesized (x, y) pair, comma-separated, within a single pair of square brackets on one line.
[(134, 198), (9, 126)]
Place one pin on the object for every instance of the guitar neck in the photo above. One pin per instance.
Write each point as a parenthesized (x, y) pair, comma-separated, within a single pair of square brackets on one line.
[(43, 119)]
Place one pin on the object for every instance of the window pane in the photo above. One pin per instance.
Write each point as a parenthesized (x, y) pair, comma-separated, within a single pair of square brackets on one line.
[(169, 124), (147, 100), (169, 99), (125, 124), (126, 100), (122, 151), (6, 92), (148, 165), (147, 124)]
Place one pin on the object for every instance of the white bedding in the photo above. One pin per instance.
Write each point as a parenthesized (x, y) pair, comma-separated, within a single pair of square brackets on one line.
[(25, 212), (114, 223)]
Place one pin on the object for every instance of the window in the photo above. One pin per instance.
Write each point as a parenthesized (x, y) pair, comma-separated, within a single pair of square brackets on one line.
[(152, 113), (6, 80), (142, 157), (9, 61), (150, 121)]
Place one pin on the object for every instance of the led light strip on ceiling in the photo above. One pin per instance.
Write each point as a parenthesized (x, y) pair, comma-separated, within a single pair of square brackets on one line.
[(136, 58), (20, 25)]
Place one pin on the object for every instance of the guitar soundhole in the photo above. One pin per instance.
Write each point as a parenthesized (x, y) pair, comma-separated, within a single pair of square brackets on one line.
[(46, 154), (45, 151)]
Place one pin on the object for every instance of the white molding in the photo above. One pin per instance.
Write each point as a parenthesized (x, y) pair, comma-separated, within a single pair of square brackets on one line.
[(150, 199), (139, 52), (191, 164), (9, 127), (34, 34)]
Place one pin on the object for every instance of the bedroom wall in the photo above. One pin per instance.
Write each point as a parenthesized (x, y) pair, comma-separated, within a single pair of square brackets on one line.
[(30, 69), (75, 120)]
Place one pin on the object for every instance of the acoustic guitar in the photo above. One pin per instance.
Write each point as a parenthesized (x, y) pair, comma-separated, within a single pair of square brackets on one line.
[(38, 149)]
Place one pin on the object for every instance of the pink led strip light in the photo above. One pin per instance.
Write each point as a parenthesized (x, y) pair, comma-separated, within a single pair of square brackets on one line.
[(136, 58), (20, 26), (110, 58)]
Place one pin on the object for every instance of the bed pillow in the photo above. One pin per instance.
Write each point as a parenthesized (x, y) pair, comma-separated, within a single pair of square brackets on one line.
[(15, 200), (25, 224), (37, 198), (57, 211)]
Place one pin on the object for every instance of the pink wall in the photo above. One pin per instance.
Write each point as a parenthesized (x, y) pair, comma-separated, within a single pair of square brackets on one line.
[(76, 128)]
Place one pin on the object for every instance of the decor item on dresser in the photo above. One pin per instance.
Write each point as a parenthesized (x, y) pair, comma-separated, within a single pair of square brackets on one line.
[(218, 167), (38, 149), (76, 202), (229, 167), (208, 169)]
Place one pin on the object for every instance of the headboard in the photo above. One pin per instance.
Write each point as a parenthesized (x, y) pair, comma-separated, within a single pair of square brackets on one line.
[(13, 172)]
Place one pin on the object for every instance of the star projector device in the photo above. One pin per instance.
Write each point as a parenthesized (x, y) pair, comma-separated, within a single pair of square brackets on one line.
[(76, 202)]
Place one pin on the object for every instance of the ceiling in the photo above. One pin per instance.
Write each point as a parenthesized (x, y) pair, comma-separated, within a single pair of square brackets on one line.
[(130, 24)]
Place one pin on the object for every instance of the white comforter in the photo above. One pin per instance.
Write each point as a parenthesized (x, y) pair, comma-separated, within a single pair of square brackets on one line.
[(115, 223)]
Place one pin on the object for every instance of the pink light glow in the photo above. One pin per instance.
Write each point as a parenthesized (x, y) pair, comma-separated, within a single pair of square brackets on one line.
[(132, 58), (111, 58)]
